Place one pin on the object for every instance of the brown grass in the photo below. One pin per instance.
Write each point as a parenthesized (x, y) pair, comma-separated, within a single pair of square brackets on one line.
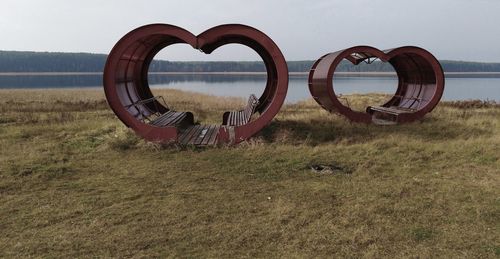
[(74, 182)]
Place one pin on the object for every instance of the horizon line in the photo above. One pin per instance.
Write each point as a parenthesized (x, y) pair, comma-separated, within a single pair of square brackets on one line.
[(301, 60)]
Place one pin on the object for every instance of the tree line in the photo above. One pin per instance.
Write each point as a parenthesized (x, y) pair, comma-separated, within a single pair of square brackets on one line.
[(25, 61)]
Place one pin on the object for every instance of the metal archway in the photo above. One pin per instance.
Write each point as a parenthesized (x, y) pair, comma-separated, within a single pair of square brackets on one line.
[(420, 84), (129, 96)]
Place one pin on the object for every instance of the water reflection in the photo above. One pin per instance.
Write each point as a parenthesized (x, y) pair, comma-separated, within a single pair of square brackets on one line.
[(243, 85), (155, 79), (50, 81)]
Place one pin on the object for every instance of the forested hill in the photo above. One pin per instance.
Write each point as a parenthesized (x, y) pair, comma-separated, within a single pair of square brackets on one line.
[(21, 61)]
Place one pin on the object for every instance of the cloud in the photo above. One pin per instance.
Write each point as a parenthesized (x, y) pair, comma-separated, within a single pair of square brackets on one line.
[(451, 29)]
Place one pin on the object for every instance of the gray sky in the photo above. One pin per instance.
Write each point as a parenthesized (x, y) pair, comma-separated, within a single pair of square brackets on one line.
[(450, 29)]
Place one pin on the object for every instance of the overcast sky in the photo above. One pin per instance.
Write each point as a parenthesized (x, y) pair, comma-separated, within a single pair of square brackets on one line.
[(450, 29)]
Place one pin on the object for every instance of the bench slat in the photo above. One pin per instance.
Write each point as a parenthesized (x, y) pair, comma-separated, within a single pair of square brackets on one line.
[(392, 110), (195, 135), (162, 118), (175, 119), (163, 121), (238, 118), (188, 134), (204, 134), (211, 136), (169, 118)]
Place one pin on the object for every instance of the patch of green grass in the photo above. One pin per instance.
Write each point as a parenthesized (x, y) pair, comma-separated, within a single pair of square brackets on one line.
[(75, 182), (4, 120), (421, 234)]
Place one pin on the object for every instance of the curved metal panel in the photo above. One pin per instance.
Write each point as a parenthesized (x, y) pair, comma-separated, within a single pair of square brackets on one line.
[(420, 83), (127, 89)]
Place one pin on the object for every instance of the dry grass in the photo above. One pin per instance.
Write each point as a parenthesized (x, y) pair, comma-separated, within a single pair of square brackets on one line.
[(207, 109), (74, 182)]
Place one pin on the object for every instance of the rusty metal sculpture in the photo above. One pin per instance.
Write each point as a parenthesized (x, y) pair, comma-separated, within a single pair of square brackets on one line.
[(420, 86), (128, 93)]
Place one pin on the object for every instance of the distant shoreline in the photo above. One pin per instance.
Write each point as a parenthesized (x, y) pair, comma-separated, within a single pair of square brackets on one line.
[(360, 74)]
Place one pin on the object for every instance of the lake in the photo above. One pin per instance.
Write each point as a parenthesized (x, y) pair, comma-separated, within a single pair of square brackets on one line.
[(457, 87)]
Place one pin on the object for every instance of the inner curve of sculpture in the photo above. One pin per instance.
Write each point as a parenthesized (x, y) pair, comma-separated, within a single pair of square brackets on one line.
[(127, 89), (420, 84)]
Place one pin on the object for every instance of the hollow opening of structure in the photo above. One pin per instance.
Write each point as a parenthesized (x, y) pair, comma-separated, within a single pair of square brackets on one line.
[(371, 82), (187, 95), (208, 85), (188, 115)]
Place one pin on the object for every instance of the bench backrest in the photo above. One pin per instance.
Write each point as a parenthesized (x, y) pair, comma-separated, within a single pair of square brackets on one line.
[(251, 106), (416, 97)]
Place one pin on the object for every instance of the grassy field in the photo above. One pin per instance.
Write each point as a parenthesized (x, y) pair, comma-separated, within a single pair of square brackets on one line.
[(74, 182)]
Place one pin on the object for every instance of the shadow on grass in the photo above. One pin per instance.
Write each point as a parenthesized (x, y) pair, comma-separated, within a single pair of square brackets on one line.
[(320, 131)]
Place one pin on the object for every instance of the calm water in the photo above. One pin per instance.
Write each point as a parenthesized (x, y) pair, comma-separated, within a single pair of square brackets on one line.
[(484, 88)]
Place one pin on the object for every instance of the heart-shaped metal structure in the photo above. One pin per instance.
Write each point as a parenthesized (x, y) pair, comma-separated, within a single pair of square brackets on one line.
[(129, 96), (420, 84)]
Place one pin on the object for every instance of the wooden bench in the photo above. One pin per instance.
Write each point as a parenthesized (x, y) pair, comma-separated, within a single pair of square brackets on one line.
[(173, 118), (238, 118), (389, 115), (156, 118), (394, 110), (199, 135), (143, 109)]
